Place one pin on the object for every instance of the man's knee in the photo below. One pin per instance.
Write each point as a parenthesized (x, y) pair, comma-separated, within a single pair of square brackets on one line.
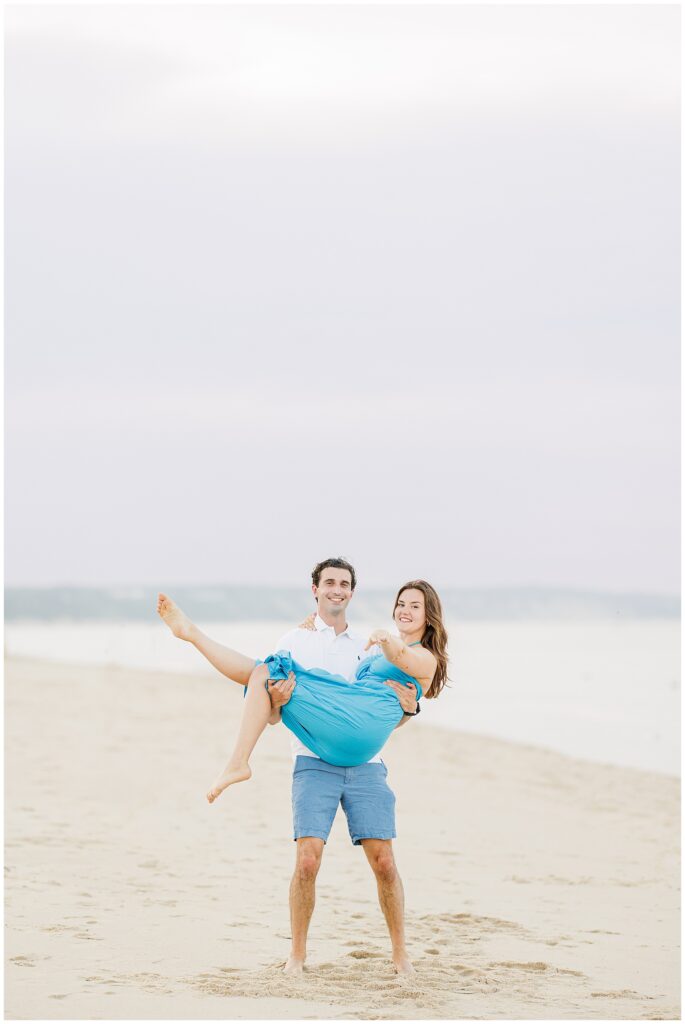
[(383, 863), (308, 862)]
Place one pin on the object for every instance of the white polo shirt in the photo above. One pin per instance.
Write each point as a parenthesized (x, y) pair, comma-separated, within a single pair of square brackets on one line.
[(322, 648)]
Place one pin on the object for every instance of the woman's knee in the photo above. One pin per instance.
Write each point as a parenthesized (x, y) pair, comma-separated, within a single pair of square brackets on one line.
[(258, 675)]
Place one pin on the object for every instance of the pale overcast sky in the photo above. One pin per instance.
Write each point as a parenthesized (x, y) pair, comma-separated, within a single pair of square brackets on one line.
[(400, 283)]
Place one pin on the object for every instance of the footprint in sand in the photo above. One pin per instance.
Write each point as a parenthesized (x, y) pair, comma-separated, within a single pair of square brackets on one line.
[(623, 994), (538, 966), (22, 961)]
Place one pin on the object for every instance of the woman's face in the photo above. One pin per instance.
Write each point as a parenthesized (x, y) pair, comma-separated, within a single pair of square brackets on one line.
[(410, 613)]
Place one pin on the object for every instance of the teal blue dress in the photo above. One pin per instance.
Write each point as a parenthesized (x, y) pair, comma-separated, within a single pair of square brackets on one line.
[(344, 722)]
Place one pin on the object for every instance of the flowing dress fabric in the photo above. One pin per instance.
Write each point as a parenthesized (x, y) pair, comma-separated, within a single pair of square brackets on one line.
[(345, 723)]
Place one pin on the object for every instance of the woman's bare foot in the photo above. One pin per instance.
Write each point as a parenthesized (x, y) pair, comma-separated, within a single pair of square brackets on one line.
[(403, 966), (293, 966), (231, 774), (177, 621)]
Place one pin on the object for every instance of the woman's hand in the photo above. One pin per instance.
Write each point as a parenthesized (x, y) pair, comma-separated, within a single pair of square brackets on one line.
[(379, 636), (308, 622)]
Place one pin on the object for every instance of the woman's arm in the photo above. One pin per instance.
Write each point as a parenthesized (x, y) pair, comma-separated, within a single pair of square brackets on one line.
[(415, 661)]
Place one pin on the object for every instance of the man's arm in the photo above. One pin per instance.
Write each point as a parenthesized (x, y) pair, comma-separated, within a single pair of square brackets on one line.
[(280, 693), (407, 698)]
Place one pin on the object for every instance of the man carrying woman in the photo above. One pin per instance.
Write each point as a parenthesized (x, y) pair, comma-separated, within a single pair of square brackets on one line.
[(327, 710)]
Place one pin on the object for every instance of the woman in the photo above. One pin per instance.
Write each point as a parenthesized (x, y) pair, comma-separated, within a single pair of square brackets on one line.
[(343, 723)]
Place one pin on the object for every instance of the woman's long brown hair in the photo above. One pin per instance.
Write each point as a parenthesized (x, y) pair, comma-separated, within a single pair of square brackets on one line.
[(435, 634)]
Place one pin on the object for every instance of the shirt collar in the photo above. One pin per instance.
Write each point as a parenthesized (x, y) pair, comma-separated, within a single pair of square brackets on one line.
[(320, 626)]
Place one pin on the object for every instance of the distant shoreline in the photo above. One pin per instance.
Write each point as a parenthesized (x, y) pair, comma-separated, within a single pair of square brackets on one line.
[(248, 603)]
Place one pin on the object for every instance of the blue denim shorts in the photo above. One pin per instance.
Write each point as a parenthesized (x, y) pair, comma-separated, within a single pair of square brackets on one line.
[(365, 796)]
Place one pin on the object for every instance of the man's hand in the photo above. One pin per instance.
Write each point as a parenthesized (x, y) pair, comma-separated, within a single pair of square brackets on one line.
[(281, 691), (406, 694)]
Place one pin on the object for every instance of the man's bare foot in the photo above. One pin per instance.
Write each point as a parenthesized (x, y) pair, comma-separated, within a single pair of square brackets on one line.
[(231, 774), (177, 621), (293, 966), (403, 966)]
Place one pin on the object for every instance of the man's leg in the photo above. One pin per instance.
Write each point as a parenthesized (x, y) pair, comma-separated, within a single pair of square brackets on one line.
[(317, 787), (391, 898), (302, 897), (369, 804)]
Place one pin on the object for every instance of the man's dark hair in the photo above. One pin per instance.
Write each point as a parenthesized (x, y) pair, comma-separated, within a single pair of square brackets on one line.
[(333, 563)]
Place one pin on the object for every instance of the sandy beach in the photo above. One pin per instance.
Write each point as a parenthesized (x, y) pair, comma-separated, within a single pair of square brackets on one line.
[(537, 886)]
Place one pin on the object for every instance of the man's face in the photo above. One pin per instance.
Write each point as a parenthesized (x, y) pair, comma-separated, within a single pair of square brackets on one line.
[(334, 591)]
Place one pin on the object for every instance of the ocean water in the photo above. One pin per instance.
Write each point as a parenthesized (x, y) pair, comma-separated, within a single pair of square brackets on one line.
[(598, 689)]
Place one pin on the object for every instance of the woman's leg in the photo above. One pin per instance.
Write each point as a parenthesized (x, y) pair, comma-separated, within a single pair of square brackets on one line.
[(256, 713), (230, 663)]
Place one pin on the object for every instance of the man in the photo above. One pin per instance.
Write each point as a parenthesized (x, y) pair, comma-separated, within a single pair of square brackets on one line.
[(320, 788)]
